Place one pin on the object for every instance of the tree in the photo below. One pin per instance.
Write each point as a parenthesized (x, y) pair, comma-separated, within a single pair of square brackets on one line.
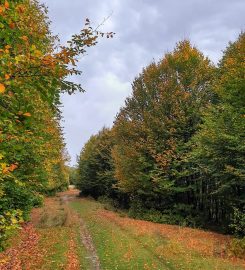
[(95, 166), (33, 73), (219, 146), (152, 131), (73, 175)]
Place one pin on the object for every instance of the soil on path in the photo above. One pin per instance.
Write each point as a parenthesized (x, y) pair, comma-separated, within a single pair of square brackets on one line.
[(84, 233)]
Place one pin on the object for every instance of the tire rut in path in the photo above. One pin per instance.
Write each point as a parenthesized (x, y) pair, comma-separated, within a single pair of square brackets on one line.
[(85, 237), (88, 243)]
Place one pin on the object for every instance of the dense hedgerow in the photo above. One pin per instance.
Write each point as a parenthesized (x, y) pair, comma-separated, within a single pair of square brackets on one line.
[(33, 74)]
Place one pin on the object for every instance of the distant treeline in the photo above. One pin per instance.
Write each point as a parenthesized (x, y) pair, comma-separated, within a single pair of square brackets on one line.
[(176, 151)]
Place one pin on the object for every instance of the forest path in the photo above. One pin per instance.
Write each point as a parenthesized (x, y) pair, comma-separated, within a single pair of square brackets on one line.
[(84, 232), (73, 233)]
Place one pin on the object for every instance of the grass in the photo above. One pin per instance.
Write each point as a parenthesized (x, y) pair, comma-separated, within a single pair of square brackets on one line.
[(60, 236), (56, 242), (125, 244), (53, 241)]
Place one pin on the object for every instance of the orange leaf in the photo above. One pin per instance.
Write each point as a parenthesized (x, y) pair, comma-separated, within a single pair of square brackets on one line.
[(5, 170), (6, 5), (12, 167), (27, 114), (2, 88), (25, 38), (7, 76), (12, 25)]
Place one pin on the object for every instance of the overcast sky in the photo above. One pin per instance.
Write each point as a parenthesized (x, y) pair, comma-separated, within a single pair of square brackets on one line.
[(145, 30)]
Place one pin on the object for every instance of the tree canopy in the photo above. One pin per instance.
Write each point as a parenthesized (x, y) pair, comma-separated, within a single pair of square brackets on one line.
[(178, 142)]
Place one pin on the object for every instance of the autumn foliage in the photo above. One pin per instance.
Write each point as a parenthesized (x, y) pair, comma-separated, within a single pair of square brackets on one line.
[(33, 73), (178, 142)]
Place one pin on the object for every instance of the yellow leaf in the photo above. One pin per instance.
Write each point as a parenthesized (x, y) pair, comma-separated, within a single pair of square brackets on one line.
[(4, 166), (38, 53), (4, 260), (14, 220), (2, 88)]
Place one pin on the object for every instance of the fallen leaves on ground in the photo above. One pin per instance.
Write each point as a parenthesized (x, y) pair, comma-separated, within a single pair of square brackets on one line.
[(19, 257), (205, 243)]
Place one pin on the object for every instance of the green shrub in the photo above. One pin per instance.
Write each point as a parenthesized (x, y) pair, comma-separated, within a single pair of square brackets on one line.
[(18, 196), (238, 222), (237, 248), (37, 200), (9, 221), (178, 215)]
